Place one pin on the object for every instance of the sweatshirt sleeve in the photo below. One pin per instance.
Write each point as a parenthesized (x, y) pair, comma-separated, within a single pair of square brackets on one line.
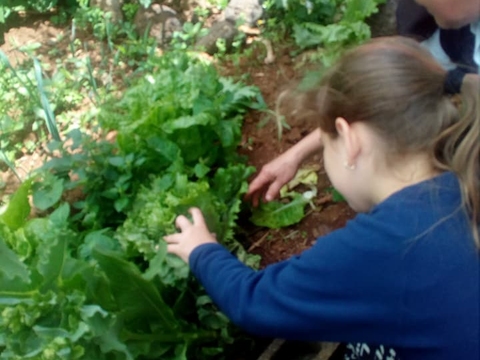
[(395, 276), (340, 289)]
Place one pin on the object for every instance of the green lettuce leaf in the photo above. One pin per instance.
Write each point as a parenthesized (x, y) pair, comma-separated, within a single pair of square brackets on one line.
[(276, 214)]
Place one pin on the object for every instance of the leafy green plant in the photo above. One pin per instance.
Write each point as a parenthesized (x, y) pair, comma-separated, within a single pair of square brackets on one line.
[(92, 279), (8, 7), (186, 38), (285, 212), (31, 101), (331, 26), (178, 110), (55, 305), (20, 106), (277, 214), (291, 12), (350, 29), (95, 19)]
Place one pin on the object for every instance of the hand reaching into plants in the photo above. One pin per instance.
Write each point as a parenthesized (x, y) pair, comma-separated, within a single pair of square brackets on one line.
[(281, 170), (191, 235), (267, 184)]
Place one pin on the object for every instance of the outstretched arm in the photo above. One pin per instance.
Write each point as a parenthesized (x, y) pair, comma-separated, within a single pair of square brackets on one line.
[(267, 184), (316, 295)]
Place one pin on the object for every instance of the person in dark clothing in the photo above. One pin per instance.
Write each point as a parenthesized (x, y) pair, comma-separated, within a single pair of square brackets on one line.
[(402, 279), (449, 29)]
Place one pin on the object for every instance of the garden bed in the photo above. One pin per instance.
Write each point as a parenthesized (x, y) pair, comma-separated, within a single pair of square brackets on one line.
[(260, 143)]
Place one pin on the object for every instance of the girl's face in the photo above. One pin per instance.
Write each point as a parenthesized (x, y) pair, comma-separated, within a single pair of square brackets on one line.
[(452, 14)]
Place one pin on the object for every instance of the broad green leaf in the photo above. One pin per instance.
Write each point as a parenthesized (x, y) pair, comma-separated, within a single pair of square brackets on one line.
[(229, 132), (136, 298), (201, 170), (276, 214), (170, 269), (11, 267), (110, 339), (230, 183), (121, 203), (17, 241), (47, 192), (51, 259), (168, 149), (96, 239), (117, 161), (18, 207), (60, 216), (185, 122)]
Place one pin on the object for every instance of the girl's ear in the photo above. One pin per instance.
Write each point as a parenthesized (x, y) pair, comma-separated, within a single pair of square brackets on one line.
[(350, 139)]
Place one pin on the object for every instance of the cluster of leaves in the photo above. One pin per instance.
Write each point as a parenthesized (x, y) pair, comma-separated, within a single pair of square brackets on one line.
[(332, 25), (292, 12), (23, 99), (92, 278), (30, 100), (7, 7), (37, 96)]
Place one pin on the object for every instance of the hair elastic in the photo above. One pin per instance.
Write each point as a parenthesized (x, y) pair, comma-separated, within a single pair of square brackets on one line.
[(453, 81)]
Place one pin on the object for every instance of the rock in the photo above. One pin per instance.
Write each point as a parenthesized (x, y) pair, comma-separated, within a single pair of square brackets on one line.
[(112, 6), (220, 30), (384, 22), (250, 11), (160, 19)]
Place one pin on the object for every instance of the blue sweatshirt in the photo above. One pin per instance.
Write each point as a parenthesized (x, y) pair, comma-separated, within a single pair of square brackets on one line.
[(405, 275)]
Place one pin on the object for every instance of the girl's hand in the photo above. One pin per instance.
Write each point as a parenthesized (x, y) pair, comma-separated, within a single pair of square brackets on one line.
[(267, 184), (191, 235), (278, 172)]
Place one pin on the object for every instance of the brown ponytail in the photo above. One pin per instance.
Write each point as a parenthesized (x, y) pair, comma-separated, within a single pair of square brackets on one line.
[(457, 148)]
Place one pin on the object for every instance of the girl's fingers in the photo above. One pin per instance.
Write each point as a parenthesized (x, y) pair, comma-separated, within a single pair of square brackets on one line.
[(171, 239), (273, 191), (197, 216), (172, 248), (257, 184), (181, 222)]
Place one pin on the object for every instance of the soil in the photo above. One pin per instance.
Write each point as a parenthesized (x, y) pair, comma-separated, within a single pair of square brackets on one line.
[(260, 137), (261, 144)]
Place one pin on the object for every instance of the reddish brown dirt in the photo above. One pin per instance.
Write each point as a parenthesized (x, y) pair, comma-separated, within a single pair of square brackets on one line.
[(260, 143)]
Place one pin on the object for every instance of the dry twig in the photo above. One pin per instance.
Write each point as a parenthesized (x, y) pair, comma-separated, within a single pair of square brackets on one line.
[(258, 242)]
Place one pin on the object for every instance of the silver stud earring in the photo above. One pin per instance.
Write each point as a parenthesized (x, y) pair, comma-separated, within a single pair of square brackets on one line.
[(348, 166)]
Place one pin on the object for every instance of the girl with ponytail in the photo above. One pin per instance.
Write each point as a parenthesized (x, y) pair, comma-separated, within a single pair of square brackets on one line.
[(401, 280)]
